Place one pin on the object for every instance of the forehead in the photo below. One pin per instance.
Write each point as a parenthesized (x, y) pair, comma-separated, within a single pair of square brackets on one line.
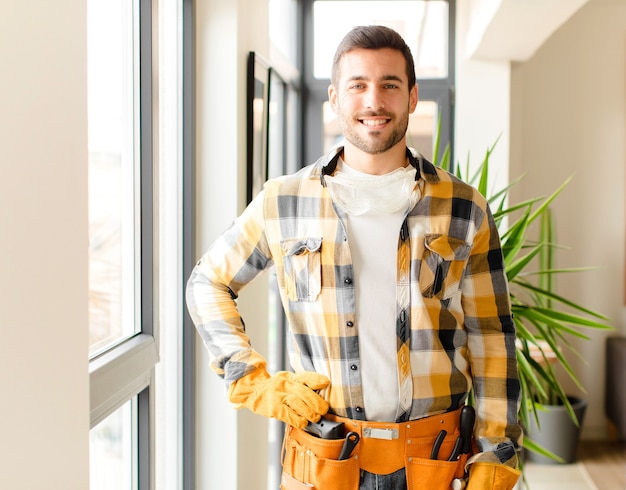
[(372, 64)]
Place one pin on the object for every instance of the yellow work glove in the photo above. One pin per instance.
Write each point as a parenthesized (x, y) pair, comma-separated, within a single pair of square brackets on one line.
[(285, 396), (492, 476)]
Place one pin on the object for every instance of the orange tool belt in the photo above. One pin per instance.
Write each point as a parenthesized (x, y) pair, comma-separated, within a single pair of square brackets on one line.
[(310, 462)]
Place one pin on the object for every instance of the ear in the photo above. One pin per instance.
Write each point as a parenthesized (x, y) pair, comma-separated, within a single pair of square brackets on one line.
[(413, 98), (332, 97)]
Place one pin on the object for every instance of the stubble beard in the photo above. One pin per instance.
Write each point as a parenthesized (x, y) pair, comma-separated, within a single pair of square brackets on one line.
[(373, 144)]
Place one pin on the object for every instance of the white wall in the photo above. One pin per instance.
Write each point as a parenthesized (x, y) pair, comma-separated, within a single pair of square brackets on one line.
[(569, 117), (482, 111), (44, 407), (562, 112), (229, 443)]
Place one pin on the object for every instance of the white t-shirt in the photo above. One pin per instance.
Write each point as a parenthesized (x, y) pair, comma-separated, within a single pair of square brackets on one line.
[(373, 238)]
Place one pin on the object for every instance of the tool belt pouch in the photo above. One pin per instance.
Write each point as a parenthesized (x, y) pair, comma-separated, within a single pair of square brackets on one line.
[(412, 452), (492, 476), (423, 473), (311, 463)]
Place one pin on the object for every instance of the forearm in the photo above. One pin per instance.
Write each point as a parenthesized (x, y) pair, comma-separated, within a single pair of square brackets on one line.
[(491, 349), (496, 387), (232, 261), (220, 326)]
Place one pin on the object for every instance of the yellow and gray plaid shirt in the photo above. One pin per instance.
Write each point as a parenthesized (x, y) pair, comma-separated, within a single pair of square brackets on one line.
[(453, 327)]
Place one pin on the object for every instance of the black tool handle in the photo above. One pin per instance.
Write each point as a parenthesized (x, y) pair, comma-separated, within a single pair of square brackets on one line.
[(456, 451), (352, 439), (434, 453), (326, 429), (467, 420)]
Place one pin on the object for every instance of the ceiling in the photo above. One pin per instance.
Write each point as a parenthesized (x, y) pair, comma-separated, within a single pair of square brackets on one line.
[(512, 30)]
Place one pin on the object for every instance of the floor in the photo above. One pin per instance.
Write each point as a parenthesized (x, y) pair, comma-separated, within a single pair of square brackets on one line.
[(553, 477), (599, 466)]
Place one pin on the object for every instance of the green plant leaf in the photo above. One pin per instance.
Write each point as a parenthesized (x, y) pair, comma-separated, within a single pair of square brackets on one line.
[(503, 193), (536, 448), (514, 240), (549, 337), (516, 207), (560, 317), (515, 267), (437, 143), (528, 371), (484, 175), (538, 323), (539, 211), (565, 301), (566, 270)]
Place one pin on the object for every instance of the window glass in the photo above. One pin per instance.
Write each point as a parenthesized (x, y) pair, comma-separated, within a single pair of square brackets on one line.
[(111, 451), (423, 128), (282, 19), (423, 24), (113, 64)]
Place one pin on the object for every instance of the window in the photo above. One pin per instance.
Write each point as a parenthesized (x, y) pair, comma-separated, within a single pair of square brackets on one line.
[(123, 349), (427, 26), (113, 458), (113, 44), (422, 24)]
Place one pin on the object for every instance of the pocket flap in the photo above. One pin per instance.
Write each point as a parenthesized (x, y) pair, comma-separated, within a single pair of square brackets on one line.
[(298, 246), (447, 247)]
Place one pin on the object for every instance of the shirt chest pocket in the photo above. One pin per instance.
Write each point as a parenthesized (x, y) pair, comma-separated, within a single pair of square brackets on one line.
[(442, 266), (302, 268)]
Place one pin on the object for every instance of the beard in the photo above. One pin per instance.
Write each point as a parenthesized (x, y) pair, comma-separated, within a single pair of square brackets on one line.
[(372, 141)]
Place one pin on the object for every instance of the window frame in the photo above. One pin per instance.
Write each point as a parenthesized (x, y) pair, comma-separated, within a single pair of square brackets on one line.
[(188, 245), (315, 91), (126, 370)]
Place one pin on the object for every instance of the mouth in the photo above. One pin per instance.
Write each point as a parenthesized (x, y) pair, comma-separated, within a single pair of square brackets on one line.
[(374, 122)]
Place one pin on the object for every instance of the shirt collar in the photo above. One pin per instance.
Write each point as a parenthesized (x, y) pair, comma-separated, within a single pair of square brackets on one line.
[(328, 164)]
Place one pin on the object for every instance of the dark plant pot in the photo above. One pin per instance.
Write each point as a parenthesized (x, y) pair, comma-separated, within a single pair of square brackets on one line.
[(558, 434)]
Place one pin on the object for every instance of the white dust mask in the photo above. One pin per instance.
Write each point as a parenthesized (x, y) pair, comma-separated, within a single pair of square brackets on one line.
[(358, 193)]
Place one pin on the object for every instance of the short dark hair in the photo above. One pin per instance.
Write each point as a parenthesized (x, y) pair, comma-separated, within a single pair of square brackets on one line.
[(373, 37)]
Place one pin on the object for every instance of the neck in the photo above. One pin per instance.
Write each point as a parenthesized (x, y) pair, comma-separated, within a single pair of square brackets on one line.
[(378, 163)]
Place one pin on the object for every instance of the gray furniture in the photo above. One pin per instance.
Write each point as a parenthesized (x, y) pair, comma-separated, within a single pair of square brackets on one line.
[(615, 398)]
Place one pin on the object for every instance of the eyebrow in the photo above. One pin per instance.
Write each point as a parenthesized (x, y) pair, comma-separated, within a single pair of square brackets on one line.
[(383, 78)]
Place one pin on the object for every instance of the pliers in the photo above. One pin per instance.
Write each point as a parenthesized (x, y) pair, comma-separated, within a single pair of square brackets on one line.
[(437, 444), (463, 442)]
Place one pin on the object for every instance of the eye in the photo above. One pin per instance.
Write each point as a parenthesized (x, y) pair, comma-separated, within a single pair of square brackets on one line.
[(356, 86), (390, 85)]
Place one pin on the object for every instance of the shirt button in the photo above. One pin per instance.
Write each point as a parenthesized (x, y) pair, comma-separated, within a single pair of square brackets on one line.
[(347, 280), (349, 324), (354, 367)]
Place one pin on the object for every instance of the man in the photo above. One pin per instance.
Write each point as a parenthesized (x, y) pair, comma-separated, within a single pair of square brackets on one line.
[(392, 280)]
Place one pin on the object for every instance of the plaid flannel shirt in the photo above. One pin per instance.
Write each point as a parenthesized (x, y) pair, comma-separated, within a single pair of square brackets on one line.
[(454, 327)]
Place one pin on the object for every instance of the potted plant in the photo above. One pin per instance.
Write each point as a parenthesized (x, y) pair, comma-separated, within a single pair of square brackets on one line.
[(556, 416), (544, 327)]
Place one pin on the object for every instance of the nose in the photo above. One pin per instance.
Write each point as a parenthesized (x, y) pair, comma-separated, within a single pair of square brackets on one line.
[(374, 98)]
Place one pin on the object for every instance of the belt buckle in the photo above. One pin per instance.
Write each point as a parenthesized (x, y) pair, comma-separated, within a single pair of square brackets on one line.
[(374, 433)]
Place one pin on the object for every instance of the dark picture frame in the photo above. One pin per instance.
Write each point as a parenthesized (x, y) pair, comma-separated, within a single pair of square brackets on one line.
[(257, 107)]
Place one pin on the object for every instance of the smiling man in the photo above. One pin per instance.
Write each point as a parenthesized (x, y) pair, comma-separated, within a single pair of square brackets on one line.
[(373, 97), (392, 280)]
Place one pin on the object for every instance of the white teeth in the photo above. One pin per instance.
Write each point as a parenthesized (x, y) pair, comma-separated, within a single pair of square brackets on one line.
[(373, 122)]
